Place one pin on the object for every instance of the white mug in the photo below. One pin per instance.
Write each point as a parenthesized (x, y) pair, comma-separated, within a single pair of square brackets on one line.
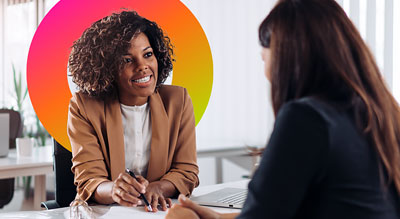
[(25, 146)]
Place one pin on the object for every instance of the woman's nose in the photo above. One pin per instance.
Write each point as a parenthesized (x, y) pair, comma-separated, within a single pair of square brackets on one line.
[(141, 66)]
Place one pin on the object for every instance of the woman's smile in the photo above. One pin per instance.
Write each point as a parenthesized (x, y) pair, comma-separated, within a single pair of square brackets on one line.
[(143, 81)]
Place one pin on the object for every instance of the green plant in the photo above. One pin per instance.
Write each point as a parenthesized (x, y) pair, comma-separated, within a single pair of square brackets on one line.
[(40, 133), (20, 93)]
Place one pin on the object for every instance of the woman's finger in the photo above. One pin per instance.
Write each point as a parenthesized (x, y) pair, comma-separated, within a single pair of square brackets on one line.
[(163, 203), (118, 199), (154, 203), (142, 181), (148, 197), (120, 190), (128, 188), (133, 182), (126, 196), (169, 202)]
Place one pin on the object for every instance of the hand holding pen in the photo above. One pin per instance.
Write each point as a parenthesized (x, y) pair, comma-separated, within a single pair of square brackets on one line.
[(132, 174), (127, 190)]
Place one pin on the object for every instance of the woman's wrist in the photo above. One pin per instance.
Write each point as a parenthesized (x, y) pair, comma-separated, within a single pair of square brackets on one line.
[(102, 194)]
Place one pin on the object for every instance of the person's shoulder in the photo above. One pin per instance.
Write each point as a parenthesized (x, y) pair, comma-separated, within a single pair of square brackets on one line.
[(174, 97), (81, 99), (298, 106), (172, 92), (305, 110), (80, 96), (325, 109)]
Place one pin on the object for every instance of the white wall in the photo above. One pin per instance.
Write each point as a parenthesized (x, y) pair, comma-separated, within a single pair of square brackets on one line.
[(239, 111)]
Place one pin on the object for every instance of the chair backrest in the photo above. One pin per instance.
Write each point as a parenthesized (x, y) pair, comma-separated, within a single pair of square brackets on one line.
[(6, 191), (16, 125), (65, 188)]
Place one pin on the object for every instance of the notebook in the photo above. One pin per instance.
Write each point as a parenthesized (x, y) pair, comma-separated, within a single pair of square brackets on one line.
[(4, 134), (227, 197)]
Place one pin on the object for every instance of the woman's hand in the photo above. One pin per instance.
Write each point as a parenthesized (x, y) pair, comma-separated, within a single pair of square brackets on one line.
[(126, 190), (188, 209), (157, 193), (179, 212)]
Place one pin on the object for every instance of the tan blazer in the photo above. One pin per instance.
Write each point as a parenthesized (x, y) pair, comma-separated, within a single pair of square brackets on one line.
[(96, 134)]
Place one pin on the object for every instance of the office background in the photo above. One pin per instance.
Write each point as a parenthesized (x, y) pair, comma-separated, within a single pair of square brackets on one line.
[(239, 112)]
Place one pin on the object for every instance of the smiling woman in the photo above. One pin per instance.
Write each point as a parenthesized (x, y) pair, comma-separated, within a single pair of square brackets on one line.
[(124, 117), (137, 81)]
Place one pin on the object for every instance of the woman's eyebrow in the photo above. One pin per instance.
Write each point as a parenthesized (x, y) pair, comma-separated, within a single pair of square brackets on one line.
[(129, 54), (149, 47)]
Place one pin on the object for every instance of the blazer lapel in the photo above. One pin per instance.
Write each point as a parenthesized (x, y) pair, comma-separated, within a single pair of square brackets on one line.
[(159, 139), (115, 136)]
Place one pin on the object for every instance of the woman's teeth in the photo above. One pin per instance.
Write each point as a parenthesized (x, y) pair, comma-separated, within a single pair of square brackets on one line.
[(142, 80)]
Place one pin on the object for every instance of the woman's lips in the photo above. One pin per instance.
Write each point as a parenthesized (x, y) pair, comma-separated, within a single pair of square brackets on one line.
[(143, 81)]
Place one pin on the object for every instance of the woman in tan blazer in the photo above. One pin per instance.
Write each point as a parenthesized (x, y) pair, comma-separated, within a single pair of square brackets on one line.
[(123, 117)]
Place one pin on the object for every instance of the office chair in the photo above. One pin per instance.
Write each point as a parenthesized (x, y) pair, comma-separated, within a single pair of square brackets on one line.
[(65, 190), (7, 185)]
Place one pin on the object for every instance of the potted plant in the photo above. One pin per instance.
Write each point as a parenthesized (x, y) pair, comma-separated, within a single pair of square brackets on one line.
[(33, 131)]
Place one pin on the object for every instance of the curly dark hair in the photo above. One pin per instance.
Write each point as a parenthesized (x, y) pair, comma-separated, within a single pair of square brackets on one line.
[(96, 57)]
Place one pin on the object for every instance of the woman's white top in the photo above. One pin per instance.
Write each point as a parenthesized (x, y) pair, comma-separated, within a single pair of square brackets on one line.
[(137, 137)]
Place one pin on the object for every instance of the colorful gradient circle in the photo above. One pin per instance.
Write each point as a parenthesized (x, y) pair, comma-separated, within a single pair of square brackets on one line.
[(66, 21)]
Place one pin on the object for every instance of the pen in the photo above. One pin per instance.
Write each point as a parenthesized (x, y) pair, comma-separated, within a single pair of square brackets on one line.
[(132, 174)]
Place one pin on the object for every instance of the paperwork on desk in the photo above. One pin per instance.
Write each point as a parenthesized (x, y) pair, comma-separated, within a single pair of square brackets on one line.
[(116, 211), (122, 212)]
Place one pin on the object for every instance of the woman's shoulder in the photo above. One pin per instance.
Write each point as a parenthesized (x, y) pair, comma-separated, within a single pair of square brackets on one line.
[(81, 99), (323, 109), (172, 93), (171, 90)]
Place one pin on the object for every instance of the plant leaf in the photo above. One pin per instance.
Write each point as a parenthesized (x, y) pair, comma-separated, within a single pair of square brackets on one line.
[(26, 92)]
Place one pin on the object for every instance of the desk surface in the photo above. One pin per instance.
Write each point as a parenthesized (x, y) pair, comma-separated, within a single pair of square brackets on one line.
[(41, 162), (114, 211), (38, 165)]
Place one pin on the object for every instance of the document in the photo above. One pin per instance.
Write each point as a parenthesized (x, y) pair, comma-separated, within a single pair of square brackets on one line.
[(116, 211), (132, 212)]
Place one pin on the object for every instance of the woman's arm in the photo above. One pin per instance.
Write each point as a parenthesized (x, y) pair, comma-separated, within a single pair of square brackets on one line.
[(103, 192), (88, 162), (184, 170)]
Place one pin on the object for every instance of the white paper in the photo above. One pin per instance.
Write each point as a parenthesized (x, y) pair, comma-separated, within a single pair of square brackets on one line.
[(132, 212)]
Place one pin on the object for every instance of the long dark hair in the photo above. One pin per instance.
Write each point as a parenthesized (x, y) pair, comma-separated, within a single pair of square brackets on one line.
[(317, 51)]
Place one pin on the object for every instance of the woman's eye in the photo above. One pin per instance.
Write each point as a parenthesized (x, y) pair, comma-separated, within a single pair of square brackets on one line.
[(148, 54), (127, 60)]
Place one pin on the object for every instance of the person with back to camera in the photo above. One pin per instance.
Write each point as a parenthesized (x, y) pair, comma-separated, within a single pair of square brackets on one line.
[(335, 148), (124, 117)]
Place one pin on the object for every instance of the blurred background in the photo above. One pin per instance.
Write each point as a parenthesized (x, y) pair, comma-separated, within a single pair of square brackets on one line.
[(239, 114)]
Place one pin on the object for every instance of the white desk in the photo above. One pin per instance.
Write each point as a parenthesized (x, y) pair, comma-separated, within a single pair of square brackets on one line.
[(38, 165), (110, 211)]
